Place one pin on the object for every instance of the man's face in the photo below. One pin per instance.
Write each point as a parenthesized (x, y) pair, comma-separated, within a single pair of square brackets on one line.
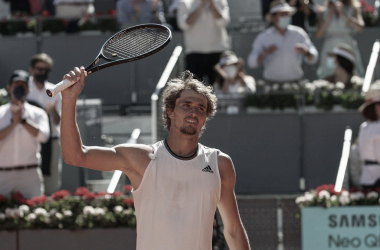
[(40, 71), (277, 16), (189, 114), (16, 85)]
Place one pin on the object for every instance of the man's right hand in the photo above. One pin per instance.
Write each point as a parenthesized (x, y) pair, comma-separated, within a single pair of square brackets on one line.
[(270, 49), (16, 110), (77, 75), (266, 52)]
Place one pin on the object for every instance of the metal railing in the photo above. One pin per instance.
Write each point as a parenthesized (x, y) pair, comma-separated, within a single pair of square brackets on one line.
[(172, 69)]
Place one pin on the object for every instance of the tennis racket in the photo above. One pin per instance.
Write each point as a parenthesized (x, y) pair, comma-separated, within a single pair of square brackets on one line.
[(127, 45)]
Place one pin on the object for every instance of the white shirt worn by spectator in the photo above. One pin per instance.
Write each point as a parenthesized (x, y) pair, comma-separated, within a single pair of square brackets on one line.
[(284, 64), (238, 87), (20, 148), (74, 9), (369, 147), (207, 34), (39, 96)]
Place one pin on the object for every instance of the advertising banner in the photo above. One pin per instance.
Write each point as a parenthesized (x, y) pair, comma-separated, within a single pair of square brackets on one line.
[(355, 227)]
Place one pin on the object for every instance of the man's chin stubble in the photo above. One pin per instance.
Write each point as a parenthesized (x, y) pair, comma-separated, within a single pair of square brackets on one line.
[(188, 131)]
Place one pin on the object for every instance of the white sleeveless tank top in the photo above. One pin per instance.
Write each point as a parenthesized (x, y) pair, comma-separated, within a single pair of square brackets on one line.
[(176, 200)]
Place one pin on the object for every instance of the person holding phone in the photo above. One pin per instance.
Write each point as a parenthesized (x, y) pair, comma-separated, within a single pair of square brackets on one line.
[(22, 128), (282, 48), (337, 24), (204, 25)]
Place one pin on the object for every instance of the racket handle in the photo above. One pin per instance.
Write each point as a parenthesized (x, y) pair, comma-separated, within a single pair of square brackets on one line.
[(58, 87)]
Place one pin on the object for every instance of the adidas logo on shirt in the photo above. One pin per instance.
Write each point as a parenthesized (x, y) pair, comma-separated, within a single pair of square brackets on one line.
[(208, 169)]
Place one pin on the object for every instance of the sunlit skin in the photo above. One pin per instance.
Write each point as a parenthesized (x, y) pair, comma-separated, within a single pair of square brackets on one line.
[(187, 120)]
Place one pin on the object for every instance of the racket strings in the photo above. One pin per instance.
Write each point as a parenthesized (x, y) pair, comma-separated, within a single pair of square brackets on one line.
[(136, 43), (132, 48), (141, 45)]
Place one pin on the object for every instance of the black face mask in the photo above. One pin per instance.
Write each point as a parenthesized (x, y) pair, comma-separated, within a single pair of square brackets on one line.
[(41, 78), (19, 93)]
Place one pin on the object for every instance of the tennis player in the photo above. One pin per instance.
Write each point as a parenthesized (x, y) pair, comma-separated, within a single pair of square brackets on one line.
[(178, 183)]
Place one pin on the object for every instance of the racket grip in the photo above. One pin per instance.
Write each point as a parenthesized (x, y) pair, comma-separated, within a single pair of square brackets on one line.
[(58, 87)]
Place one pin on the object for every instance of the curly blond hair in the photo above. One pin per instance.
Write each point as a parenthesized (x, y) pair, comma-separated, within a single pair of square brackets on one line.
[(186, 81)]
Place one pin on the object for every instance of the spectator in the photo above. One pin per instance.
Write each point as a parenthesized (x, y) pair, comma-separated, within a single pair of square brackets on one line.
[(203, 23), (231, 77), (51, 164), (22, 128), (19, 7), (336, 24), (130, 12), (342, 60), (306, 12), (78, 12), (172, 14), (74, 9), (369, 139), (282, 47)]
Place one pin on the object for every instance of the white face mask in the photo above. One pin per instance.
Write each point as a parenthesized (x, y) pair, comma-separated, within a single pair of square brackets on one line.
[(330, 63), (231, 71), (283, 22)]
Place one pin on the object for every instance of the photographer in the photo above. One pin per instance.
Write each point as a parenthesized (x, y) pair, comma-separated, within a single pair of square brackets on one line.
[(22, 128)]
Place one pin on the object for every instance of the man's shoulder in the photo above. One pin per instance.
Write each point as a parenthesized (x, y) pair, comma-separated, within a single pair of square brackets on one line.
[(4, 107), (266, 32), (135, 149), (224, 160), (33, 108), (375, 125), (297, 30)]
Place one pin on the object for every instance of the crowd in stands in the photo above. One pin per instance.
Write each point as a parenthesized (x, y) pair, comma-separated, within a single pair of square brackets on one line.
[(281, 50)]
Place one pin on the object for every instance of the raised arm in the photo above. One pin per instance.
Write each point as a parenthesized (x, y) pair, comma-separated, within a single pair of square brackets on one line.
[(131, 159), (355, 21), (234, 231), (323, 22)]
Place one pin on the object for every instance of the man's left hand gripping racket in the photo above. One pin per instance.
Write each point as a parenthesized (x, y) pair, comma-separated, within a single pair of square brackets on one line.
[(128, 45)]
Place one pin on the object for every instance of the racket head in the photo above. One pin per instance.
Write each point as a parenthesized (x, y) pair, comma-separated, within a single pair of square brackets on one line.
[(131, 44)]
